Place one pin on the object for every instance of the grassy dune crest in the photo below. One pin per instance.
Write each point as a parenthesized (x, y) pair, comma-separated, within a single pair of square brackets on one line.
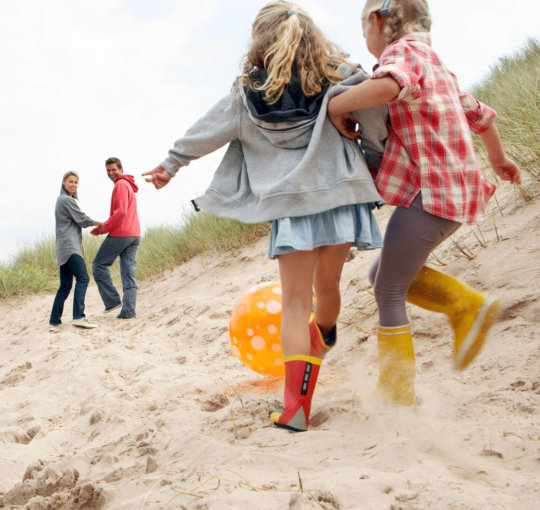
[(512, 88), (34, 269)]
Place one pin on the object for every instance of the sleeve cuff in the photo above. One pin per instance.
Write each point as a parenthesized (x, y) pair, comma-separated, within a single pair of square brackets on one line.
[(170, 167), (402, 78)]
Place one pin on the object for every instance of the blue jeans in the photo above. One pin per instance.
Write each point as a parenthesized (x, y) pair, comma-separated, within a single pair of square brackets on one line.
[(112, 247), (74, 267)]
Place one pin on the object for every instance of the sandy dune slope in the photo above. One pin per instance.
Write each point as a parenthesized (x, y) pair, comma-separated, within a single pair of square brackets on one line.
[(156, 413)]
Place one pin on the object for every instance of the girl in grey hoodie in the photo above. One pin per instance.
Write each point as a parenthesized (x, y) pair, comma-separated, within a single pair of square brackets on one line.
[(288, 165)]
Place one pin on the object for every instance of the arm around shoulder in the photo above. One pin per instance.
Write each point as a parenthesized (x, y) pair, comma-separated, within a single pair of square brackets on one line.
[(368, 94)]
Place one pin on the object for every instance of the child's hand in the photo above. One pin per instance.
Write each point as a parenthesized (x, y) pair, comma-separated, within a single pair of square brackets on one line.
[(159, 177), (507, 170), (345, 123)]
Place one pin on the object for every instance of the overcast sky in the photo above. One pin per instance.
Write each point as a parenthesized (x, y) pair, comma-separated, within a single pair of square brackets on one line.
[(85, 80)]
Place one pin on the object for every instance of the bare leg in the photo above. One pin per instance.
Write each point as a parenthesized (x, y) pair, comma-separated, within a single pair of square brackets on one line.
[(328, 268), (296, 273)]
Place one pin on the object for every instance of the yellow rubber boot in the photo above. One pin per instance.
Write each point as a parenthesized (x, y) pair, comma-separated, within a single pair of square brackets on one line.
[(397, 370), (471, 313)]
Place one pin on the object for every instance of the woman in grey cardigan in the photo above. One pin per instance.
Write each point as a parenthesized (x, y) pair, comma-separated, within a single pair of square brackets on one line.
[(69, 223)]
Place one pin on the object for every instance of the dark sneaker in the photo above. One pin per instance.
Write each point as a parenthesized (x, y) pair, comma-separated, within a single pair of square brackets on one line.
[(111, 308)]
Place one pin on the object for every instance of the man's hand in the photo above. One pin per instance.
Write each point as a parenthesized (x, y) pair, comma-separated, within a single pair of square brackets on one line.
[(159, 177), (96, 231), (507, 170)]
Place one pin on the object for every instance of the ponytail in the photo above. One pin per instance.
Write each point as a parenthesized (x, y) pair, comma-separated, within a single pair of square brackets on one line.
[(287, 42)]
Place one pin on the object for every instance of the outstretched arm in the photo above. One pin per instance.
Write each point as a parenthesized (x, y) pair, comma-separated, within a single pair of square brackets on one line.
[(217, 127), (367, 94), (159, 177), (503, 166)]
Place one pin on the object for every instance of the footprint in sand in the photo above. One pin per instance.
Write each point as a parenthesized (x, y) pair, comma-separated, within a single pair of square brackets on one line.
[(16, 375)]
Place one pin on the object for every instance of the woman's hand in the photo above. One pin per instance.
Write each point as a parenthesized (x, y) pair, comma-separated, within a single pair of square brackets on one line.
[(159, 177)]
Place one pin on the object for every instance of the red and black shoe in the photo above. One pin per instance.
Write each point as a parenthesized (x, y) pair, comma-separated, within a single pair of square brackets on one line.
[(320, 344), (301, 374)]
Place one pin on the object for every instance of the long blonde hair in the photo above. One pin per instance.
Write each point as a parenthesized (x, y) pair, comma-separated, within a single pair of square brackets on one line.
[(401, 16), (287, 42), (66, 175)]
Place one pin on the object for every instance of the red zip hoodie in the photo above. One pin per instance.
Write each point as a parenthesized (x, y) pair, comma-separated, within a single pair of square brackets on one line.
[(123, 221)]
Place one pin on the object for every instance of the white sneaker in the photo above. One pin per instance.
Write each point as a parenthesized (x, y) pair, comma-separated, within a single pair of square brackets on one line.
[(83, 323), (55, 328)]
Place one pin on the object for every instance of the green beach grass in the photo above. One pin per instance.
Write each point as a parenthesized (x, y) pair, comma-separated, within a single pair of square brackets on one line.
[(512, 88), (34, 269)]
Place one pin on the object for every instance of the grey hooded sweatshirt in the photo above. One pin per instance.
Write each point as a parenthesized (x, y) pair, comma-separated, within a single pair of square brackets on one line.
[(69, 222), (285, 159)]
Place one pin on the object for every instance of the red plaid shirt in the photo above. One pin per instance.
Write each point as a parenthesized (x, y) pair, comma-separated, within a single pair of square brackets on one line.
[(429, 146)]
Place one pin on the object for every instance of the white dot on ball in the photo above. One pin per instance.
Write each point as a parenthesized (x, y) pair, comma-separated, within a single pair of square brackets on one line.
[(278, 362), (258, 343), (272, 329), (276, 347), (260, 305), (273, 306), (249, 332), (276, 290), (236, 352), (249, 356)]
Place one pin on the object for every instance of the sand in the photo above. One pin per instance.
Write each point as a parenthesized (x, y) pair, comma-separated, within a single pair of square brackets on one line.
[(157, 413)]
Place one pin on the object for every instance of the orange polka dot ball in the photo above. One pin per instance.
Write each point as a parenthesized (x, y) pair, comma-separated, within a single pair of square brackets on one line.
[(255, 327)]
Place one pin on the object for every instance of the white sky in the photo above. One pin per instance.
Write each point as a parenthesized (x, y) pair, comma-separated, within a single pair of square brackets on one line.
[(85, 80)]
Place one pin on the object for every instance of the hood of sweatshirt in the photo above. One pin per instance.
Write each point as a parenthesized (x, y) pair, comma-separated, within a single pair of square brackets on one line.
[(289, 121), (130, 179)]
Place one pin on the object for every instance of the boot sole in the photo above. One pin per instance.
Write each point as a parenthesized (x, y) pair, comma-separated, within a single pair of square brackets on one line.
[(288, 427), (471, 346), (283, 425)]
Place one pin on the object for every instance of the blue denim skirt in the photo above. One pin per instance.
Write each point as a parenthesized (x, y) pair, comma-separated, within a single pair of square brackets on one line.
[(353, 223)]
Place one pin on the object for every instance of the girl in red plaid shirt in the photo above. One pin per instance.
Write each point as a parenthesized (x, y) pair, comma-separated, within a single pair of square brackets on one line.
[(429, 171)]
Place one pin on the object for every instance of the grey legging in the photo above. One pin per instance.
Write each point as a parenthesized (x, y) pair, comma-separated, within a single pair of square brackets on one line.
[(411, 235)]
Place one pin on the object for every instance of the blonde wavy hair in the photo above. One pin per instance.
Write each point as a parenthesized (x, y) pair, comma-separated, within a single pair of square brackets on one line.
[(66, 175), (287, 42), (402, 17)]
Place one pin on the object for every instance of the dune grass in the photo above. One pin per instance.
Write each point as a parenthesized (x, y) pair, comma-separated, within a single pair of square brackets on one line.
[(34, 269), (512, 88)]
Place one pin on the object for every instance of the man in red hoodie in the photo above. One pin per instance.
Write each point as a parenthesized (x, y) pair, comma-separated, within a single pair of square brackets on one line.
[(124, 234)]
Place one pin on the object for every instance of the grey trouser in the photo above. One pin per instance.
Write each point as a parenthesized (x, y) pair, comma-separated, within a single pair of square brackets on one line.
[(411, 235), (126, 248)]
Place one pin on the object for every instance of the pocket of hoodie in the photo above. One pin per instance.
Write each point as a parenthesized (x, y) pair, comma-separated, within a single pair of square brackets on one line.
[(351, 153)]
